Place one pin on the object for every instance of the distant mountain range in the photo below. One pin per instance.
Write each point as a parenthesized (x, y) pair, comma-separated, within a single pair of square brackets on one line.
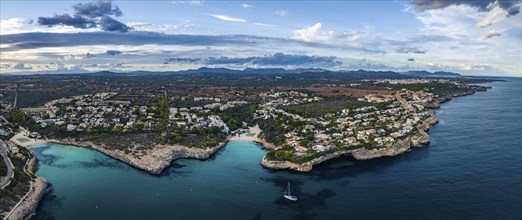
[(355, 73), (426, 73), (420, 73)]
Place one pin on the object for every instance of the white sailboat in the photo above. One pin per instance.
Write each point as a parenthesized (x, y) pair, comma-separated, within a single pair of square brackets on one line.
[(288, 195)]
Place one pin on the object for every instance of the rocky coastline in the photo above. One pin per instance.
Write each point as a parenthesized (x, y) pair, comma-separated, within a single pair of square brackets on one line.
[(265, 144), (155, 161), (26, 207), (446, 98), (395, 149)]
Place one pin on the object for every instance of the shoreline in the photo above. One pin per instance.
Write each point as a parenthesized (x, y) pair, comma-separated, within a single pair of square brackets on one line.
[(399, 147), (155, 161), (161, 156), (26, 207)]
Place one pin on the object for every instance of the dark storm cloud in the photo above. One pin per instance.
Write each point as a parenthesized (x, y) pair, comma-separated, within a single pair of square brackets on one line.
[(409, 50), (97, 9), (113, 52), (67, 20), (181, 60), (89, 15), (411, 59), (511, 6), (110, 24)]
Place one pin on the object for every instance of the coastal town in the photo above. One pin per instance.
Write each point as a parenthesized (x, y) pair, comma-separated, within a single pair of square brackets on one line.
[(293, 131), (298, 126)]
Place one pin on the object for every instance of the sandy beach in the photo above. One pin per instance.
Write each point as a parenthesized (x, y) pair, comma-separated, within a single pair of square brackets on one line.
[(250, 136), (22, 139)]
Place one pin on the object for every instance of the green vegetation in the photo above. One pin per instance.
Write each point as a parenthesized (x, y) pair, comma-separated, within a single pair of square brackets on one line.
[(289, 154), (19, 162), (3, 167), (325, 106), (191, 103), (234, 117), (18, 117), (18, 187), (164, 108), (275, 129), (437, 88)]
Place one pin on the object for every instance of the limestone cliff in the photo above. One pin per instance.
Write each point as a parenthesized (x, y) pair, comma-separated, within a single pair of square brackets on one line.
[(156, 159), (396, 148)]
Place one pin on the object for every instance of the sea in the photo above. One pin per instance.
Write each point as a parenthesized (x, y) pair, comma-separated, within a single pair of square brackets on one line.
[(472, 169)]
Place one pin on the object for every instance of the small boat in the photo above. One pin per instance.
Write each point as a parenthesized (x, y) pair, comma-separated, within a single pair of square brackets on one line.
[(287, 194)]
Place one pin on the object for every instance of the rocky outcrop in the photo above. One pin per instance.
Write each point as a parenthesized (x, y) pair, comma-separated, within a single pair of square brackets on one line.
[(395, 149), (304, 167), (156, 159), (28, 205), (439, 100), (264, 143)]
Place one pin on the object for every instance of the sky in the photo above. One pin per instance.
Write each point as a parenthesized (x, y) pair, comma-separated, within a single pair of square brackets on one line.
[(471, 37)]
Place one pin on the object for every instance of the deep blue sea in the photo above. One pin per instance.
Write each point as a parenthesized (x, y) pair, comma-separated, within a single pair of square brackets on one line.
[(472, 169)]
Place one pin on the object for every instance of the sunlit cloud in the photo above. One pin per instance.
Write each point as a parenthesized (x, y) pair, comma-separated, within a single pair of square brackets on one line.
[(228, 18)]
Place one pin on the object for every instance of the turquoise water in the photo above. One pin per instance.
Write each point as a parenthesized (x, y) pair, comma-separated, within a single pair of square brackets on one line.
[(472, 169)]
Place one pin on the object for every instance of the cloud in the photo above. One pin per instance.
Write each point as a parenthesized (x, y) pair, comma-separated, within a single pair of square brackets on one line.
[(312, 33), (88, 55), (228, 18), (362, 39), (105, 66), (21, 66), (98, 9), (189, 2), (7, 25), (410, 59), (282, 13), (67, 20), (162, 28), (494, 16), (181, 60), (89, 15), (492, 33), (39, 40), (72, 57), (409, 50), (512, 6), (366, 64), (247, 6), (277, 59), (110, 24), (5, 66), (113, 52), (265, 25), (497, 10), (25, 41)]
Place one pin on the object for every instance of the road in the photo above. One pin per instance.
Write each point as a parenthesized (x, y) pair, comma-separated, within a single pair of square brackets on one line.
[(8, 163)]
